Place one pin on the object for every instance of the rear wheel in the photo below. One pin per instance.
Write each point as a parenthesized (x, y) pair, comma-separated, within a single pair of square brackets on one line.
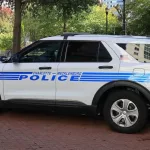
[(125, 111)]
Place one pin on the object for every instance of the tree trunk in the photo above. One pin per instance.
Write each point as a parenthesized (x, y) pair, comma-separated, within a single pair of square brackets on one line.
[(64, 21), (17, 27), (65, 26)]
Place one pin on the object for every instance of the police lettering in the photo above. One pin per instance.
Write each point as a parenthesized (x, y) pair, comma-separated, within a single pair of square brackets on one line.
[(52, 77)]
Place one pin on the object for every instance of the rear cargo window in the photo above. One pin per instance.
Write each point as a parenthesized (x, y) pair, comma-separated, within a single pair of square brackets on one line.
[(140, 52)]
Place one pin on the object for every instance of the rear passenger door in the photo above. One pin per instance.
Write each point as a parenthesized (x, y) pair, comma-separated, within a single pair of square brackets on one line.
[(87, 66)]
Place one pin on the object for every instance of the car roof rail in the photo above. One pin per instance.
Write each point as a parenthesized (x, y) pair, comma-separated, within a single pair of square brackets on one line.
[(66, 34)]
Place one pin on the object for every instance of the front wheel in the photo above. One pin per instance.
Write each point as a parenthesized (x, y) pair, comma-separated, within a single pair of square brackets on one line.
[(125, 111)]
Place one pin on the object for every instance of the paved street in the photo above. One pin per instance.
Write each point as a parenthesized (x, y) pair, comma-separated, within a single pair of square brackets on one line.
[(42, 130)]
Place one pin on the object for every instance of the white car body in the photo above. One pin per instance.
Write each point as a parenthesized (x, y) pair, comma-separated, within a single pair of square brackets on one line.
[(74, 83), (17, 83)]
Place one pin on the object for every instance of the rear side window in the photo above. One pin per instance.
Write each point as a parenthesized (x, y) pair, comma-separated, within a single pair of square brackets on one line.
[(86, 51), (104, 55), (82, 51)]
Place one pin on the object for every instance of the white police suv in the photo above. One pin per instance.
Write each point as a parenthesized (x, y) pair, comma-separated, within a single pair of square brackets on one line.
[(83, 70)]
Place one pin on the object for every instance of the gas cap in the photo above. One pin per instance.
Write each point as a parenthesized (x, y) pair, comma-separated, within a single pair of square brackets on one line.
[(138, 72)]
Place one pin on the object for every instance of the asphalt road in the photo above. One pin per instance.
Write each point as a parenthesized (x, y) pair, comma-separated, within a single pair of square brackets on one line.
[(64, 130)]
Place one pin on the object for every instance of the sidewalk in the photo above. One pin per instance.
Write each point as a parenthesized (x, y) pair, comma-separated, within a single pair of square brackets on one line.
[(51, 131)]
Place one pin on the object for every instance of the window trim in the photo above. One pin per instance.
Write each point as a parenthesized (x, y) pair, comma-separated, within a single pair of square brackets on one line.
[(66, 51), (135, 53)]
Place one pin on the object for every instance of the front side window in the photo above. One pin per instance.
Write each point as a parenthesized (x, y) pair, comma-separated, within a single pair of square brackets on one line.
[(44, 52)]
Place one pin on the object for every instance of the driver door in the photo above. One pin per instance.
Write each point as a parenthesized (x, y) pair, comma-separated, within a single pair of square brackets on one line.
[(31, 77)]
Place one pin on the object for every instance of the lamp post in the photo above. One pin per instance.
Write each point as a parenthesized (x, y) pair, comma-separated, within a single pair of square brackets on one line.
[(106, 10), (124, 17)]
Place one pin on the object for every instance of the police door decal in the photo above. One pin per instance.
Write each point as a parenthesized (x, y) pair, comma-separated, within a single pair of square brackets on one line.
[(73, 76)]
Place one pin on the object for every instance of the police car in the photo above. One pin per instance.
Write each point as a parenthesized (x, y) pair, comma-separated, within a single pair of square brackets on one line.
[(82, 70)]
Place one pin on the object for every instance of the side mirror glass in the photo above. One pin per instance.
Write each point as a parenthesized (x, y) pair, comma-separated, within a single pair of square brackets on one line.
[(3, 58), (15, 59)]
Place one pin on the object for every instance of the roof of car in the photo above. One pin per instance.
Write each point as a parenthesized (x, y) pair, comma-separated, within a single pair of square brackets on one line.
[(108, 38)]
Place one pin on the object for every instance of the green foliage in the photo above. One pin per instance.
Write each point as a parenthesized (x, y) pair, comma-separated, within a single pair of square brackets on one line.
[(38, 25), (48, 23), (6, 30), (139, 17), (65, 9), (43, 25), (69, 7), (5, 41), (94, 22)]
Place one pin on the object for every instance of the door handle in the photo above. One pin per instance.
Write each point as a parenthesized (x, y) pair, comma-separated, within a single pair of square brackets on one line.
[(105, 67), (45, 68)]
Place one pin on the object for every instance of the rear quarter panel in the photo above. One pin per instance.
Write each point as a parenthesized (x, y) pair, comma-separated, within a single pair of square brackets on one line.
[(136, 72)]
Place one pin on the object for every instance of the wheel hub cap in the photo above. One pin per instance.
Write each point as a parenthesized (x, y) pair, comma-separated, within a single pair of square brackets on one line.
[(124, 113)]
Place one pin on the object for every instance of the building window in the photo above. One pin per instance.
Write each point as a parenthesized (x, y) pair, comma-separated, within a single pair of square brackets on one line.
[(137, 45), (135, 53), (147, 47), (147, 51), (137, 49)]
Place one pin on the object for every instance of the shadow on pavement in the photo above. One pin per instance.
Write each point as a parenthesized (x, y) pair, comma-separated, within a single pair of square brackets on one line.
[(52, 111), (62, 114)]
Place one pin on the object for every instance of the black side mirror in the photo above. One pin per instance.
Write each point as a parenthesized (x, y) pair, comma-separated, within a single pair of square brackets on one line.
[(15, 59), (3, 58)]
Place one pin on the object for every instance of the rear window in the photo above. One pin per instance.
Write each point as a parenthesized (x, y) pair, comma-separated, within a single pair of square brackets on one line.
[(140, 52)]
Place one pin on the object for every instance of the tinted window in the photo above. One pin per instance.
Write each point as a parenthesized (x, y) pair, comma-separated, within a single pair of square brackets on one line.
[(82, 52), (104, 55), (44, 52)]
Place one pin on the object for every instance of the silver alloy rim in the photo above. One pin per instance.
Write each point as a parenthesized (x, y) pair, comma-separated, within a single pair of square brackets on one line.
[(124, 113)]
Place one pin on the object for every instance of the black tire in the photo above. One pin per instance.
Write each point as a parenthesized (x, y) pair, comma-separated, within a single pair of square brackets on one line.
[(137, 100), (2, 108)]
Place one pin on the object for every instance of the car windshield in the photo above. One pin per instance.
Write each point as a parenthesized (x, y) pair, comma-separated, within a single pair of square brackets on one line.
[(140, 52)]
